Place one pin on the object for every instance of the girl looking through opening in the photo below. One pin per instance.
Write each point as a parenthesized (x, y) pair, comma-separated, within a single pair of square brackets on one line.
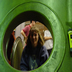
[(34, 53)]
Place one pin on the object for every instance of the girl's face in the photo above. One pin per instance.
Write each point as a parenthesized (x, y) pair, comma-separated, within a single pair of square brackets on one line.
[(34, 39)]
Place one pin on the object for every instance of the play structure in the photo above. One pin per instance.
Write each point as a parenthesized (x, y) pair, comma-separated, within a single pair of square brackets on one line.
[(56, 15)]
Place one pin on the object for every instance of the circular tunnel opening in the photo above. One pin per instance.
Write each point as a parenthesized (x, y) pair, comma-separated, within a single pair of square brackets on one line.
[(26, 16)]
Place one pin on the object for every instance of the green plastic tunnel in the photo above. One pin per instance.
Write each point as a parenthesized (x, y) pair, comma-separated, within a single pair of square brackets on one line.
[(54, 14)]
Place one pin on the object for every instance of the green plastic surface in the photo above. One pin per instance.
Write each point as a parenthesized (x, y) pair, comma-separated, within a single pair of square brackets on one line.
[(55, 14)]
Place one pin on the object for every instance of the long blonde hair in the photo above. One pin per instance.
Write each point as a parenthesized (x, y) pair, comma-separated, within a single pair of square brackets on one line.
[(40, 41)]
